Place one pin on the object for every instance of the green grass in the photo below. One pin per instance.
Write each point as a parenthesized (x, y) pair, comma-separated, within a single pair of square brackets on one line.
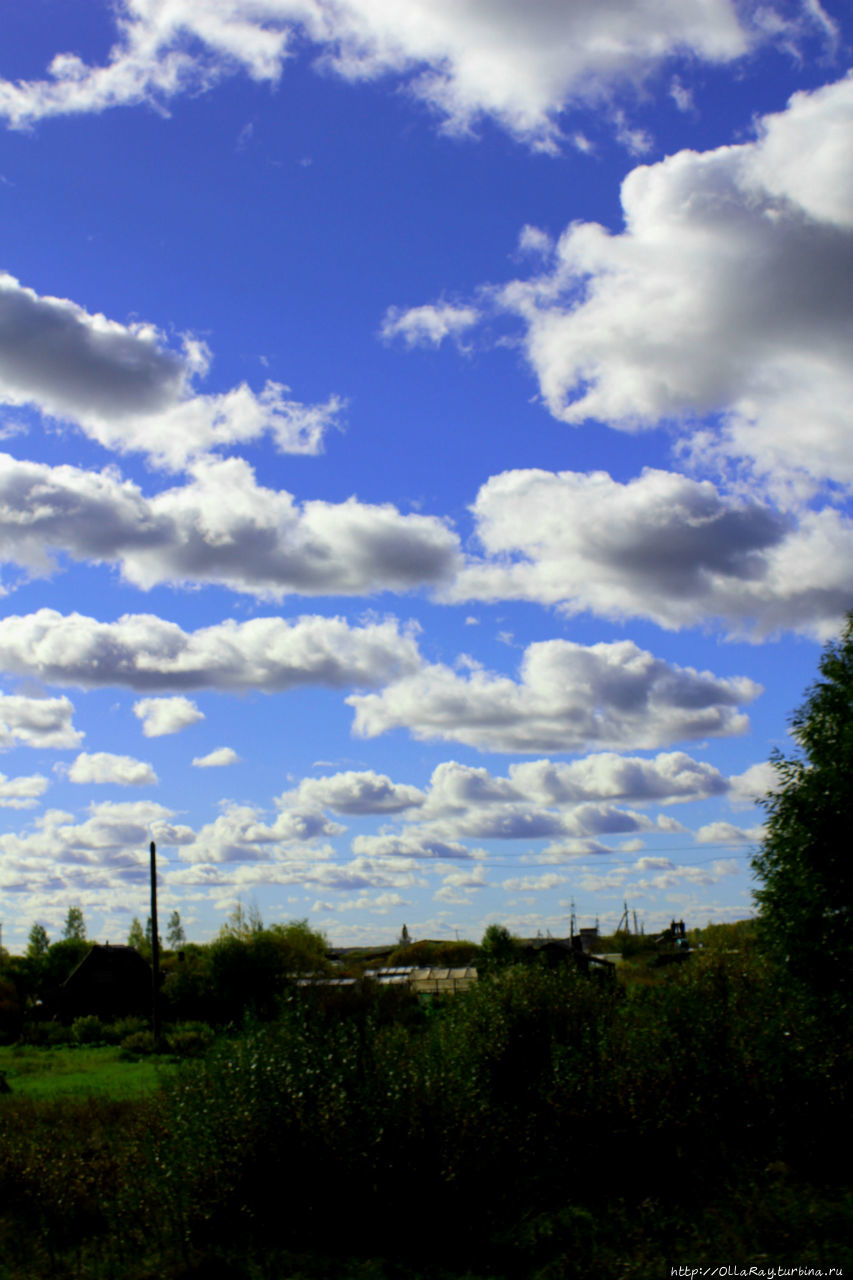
[(68, 1070)]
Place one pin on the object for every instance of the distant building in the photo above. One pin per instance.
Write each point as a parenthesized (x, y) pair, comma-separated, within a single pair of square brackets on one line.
[(110, 982)]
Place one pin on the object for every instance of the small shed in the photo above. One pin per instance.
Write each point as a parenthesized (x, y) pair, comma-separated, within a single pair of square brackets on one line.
[(110, 982)]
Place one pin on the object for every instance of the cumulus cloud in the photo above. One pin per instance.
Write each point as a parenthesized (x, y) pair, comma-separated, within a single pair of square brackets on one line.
[(409, 844), (519, 64), (161, 716), (22, 793), (569, 697), (241, 835), (142, 651), (36, 722), (668, 778), (729, 291), (103, 766), (728, 833), (661, 546), (222, 527), (124, 387), (753, 784), (356, 793), (534, 884), (114, 839), (429, 325), (217, 759)]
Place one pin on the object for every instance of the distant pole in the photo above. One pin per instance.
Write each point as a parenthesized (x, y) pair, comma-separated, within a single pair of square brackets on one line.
[(155, 951)]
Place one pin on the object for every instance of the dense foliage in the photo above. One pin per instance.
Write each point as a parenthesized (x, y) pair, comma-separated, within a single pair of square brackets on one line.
[(804, 864), (540, 1125)]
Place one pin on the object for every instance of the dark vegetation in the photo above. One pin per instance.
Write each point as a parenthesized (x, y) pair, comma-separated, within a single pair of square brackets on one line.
[(543, 1125)]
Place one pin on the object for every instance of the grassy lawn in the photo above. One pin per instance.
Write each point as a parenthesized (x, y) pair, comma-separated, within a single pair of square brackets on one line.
[(66, 1070)]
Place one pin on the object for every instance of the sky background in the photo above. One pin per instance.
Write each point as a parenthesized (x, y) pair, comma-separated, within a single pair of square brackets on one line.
[(425, 453)]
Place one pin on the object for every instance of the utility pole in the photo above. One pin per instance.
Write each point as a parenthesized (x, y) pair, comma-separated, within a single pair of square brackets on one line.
[(155, 952)]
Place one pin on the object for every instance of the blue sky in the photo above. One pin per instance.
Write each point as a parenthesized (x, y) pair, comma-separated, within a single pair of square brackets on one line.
[(424, 452)]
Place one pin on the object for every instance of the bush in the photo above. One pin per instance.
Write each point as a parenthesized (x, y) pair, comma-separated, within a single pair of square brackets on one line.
[(46, 1033), (88, 1030), (116, 1032), (137, 1044), (189, 1039)]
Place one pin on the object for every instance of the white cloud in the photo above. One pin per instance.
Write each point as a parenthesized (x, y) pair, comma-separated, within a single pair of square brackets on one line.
[(240, 835), (569, 697), (669, 777), (729, 291), (429, 325), (36, 722), (217, 759), (661, 546), (124, 387), (753, 784), (22, 793), (142, 651), (113, 839), (520, 64), (161, 716), (103, 766), (534, 884), (410, 844), (222, 527), (356, 793), (728, 833)]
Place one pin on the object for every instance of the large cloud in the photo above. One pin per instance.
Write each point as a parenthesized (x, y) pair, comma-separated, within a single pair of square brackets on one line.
[(114, 839), (240, 834), (36, 722), (124, 387), (223, 527), (569, 697), (104, 766), (669, 777), (21, 792), (519, 63), (662, 546), (142, 651), (358, 793), (729, 291)]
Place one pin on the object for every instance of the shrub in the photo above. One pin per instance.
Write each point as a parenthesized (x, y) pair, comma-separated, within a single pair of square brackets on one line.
[(116, 1032), (189, 1039), (87, 1030), (138, 1043), (46, 1033)]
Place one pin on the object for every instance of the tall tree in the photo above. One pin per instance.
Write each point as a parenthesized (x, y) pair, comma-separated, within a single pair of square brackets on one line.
[(38, 942), (175, 935), (136, 937), (75, 925), (804, 866)]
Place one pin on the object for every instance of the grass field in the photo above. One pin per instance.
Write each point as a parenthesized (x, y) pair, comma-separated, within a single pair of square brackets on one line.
[(77, 1071)]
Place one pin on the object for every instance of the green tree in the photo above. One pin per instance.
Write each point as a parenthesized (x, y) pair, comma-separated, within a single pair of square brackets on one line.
[(75, 925), (37, 943), (175, 935), (242, 923), (498, 949), (136, 937), (62, 959), (804, 867)]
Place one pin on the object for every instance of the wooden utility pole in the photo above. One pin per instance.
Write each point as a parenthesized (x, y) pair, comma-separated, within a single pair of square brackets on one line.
[(155, 952)]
